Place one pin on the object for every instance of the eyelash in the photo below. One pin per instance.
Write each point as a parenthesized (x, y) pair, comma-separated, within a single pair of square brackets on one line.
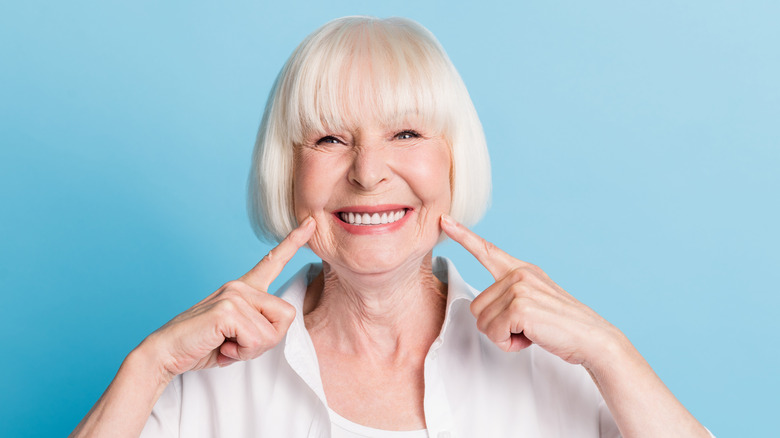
[(406, 134), (327, 139), (411, 133)]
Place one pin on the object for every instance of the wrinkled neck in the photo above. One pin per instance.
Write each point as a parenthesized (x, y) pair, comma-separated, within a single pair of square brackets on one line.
[(370, 314)]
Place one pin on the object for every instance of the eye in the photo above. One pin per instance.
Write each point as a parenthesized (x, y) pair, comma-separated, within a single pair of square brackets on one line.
[(328, 139), (407, 134)]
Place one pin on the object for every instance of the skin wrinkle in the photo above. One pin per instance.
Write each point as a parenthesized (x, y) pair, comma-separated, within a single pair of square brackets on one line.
[(371, 324)]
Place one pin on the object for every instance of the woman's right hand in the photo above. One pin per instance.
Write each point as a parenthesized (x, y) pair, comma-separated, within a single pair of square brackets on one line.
[(240, 321)]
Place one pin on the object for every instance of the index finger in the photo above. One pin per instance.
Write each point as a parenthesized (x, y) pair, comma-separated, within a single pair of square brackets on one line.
[(266, 271), (490, 256)]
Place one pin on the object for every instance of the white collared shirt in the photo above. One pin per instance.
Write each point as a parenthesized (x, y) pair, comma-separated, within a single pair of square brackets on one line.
[(472, 388)]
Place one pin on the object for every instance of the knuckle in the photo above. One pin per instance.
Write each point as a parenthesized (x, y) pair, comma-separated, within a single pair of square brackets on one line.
[(520, 307), (233, 296), (482, 324), (517, 290), (226, 307), (473, 307), (494, 332), (516, 275), (530, 267), (255, 344), (287, 311), (271, 339), (529, 328), (233, 286)]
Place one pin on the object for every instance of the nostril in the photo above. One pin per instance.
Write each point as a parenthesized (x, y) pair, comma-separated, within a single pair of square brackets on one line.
[(368, 171)]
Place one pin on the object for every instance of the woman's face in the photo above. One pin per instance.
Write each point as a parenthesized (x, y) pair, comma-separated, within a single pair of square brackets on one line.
[(376, 192)]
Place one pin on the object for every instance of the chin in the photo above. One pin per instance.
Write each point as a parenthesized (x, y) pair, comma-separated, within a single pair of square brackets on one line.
[(386, 259)]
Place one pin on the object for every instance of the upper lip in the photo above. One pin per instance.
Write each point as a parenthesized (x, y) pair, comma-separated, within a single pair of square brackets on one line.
[(371, 208)]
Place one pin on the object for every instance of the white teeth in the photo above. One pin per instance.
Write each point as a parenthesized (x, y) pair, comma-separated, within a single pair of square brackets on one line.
[(386, 217)]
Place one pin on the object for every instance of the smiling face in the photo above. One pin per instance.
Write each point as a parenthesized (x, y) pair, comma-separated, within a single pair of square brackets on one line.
[(376, 192)]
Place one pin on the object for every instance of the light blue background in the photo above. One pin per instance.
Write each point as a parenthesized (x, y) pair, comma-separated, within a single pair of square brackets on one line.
[(635, 151)]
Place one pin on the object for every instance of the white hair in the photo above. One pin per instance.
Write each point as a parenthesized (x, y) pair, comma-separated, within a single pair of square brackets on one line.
[(348, 69)]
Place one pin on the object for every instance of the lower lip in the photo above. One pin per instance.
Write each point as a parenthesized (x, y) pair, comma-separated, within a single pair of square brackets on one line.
[(374, 229)]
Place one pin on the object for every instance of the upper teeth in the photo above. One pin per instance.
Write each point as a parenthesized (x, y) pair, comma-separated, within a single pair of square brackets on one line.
[(386, 217)]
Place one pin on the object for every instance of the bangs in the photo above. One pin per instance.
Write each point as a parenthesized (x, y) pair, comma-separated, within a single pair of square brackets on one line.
[(365, 71)]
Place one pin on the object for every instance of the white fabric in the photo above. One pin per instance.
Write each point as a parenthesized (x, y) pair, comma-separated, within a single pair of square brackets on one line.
[(472, 388), (343, 428)]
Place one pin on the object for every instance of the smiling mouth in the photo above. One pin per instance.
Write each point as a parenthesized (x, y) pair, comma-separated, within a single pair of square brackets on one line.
[(378, 218)]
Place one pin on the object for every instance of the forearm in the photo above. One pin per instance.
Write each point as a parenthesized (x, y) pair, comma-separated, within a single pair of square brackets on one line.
[(639, 401), (125, 406)]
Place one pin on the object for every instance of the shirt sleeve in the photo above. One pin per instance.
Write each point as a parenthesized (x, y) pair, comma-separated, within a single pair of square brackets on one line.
[(164, 420)]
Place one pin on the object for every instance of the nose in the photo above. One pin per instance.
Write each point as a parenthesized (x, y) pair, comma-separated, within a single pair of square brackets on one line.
[(370, 168)]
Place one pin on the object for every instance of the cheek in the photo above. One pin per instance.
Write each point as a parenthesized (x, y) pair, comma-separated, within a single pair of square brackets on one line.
[(322, 244), (310, 202), (311, 186), (429, 175)]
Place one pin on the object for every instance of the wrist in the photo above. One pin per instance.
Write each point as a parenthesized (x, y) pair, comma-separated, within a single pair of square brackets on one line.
[(145, 361), (636, 397), (124, 407), (614, 353)]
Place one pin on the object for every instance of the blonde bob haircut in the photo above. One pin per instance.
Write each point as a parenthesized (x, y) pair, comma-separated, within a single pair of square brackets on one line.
[(355, 67)]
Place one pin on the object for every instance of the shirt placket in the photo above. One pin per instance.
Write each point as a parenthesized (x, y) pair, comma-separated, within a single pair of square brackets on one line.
[(438, 416), (304, 362)]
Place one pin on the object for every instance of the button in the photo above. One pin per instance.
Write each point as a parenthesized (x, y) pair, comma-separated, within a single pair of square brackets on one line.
[(445, 434)]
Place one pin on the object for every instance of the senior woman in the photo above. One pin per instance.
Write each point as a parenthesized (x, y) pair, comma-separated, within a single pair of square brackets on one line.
[(369, 151)]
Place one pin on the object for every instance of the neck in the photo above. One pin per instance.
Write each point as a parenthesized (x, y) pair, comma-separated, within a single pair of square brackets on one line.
[(382, 315)]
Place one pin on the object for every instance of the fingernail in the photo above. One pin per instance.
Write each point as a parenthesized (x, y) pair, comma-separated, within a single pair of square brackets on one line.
[(448, 220), (307, 221)]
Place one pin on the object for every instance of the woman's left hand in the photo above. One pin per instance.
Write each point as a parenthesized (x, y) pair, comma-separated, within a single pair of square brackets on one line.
[(525, 306)]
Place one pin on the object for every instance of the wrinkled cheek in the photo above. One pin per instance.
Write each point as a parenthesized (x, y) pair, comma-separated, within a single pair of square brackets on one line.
[(315, 244), (322, 244), (437, 203), (321, 239), (308, 200)]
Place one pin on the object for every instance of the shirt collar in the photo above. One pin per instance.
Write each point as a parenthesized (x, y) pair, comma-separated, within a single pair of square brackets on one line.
[(298, 347), (459, 293)]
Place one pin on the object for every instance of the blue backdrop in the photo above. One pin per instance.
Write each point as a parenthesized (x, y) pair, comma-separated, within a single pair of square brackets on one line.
[(635, 151)]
